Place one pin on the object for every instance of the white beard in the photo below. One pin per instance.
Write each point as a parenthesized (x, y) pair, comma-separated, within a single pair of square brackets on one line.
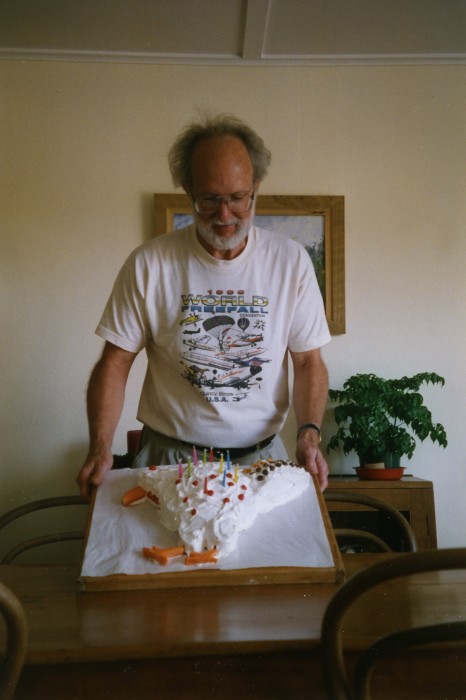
[(206, 231)]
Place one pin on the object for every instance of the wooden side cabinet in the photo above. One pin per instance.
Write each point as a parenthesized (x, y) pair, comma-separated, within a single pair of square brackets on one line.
[(411, 496)]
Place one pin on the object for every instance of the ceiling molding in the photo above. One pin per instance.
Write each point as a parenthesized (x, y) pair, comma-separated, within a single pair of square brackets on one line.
[(236, 32), (227, 60), (255, 30)]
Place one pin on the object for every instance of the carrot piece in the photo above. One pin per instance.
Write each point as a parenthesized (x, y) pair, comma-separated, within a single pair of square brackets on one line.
[(154, 553), (133, 495), (209, 557), (162, 555), (174, 551)]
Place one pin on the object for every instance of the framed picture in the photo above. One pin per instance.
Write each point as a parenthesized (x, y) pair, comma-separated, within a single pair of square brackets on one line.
[(317, 222)]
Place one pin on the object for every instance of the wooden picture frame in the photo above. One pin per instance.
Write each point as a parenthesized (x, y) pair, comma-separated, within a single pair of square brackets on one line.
[(317, 222)]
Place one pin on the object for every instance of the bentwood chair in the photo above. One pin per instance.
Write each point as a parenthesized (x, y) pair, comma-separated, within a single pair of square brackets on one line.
[(56, 536), (345, 535), (17, 633), (338, 684)]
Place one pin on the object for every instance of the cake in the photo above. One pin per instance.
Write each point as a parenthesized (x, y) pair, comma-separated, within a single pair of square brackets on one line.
[(210, 504)]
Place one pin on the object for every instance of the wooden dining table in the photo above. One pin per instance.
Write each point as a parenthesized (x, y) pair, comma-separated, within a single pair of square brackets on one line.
[(255, 641)]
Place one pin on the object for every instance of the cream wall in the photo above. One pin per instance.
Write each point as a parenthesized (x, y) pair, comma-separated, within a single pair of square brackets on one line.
[(83, 147)]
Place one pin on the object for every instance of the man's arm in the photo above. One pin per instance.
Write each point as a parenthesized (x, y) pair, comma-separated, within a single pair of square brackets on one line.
[(105, 399), (310, 391)]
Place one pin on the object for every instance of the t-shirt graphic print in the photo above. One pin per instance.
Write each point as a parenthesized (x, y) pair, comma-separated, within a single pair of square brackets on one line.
[(223, 342)]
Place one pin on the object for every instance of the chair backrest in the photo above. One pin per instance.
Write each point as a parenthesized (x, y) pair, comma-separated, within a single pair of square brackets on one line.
[(33, 506), (17, 634), (408, 536), (336, 678)]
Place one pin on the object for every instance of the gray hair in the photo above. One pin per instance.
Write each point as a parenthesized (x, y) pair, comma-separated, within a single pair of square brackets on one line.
[(180, 154)]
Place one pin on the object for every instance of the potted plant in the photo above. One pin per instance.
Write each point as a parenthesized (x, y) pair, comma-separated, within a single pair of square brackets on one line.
[(380, 419)]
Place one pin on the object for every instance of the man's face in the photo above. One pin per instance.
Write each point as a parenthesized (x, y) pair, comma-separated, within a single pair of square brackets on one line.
[(221, 167)]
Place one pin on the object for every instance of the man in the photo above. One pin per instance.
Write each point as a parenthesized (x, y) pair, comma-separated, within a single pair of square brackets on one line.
[(218, 307)]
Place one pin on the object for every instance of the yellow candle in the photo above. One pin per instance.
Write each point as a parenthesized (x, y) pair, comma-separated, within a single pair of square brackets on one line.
[(235, 478)]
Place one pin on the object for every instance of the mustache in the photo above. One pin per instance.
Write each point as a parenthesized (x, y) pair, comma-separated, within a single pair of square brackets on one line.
[(230, 222)]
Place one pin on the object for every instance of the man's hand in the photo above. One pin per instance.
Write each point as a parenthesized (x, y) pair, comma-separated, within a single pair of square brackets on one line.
[(93, 472), (105, 397), (309, 455), (309, 399)]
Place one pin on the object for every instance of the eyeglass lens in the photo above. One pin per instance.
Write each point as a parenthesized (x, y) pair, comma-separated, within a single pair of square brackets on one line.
[(236, 203)]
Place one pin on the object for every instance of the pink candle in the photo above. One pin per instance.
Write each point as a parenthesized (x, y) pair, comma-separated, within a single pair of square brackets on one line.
[(195, 456), (180, 470)]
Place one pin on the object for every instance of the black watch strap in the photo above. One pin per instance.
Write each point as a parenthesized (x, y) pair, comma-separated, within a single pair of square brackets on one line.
[(309, 426)]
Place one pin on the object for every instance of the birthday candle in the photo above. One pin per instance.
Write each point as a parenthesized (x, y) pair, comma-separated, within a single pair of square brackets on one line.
[(211, 458), (220, 468), (180, 470), (195, 456), (224, 477), (235, 478), (205, 484), (189, 466), (204, 459), (228, 459)]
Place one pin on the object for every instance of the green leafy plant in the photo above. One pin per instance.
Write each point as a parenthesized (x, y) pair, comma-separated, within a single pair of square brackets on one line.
[(379, 416)]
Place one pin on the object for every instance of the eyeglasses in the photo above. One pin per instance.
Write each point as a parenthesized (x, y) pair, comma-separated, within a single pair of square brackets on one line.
[(237, 203)]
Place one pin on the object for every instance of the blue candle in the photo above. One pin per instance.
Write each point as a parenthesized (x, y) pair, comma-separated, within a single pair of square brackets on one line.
[(224, 477)]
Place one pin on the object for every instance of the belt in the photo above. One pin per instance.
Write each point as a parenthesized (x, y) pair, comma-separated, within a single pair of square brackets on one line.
[(233, 451)]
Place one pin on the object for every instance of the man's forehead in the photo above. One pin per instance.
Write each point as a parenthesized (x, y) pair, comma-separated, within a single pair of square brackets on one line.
[(217, 147), (221, 157)]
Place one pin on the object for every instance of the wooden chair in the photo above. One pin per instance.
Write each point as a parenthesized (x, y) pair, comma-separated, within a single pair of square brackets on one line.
[(34, 506), (17, 633), (342, 534), (336, 677)]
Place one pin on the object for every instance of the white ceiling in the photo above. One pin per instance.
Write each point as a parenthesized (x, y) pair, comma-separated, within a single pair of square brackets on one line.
[(236, 32)]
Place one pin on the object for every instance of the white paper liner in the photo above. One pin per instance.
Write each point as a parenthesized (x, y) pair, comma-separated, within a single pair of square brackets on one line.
[(290, 535)]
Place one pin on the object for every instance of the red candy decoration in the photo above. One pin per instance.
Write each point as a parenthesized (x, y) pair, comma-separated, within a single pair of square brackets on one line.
[(241, 496), (194, 511), (226, 500)]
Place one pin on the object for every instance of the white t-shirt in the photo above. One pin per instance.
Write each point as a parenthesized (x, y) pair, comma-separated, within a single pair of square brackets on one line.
[(216, 333)]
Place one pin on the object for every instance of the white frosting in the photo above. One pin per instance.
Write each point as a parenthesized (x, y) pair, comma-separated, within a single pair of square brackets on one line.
[(210, 507)]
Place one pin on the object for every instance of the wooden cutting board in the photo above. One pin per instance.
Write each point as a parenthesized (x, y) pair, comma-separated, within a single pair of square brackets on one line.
[(115, 515)]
